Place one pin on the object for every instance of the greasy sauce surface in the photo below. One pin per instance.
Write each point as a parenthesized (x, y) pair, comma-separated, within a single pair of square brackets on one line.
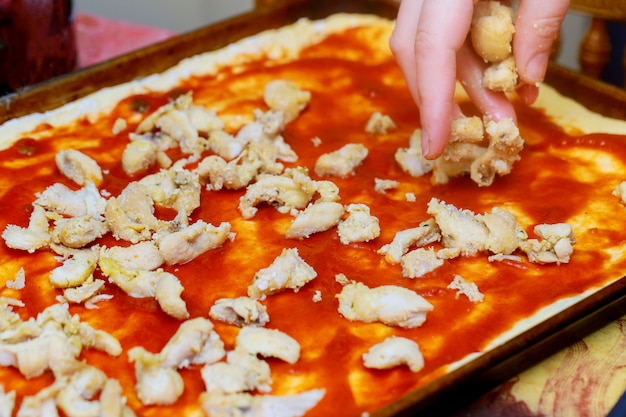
[(560, 178)]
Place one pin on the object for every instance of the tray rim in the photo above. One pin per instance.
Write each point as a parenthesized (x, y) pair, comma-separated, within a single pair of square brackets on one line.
[(478, 375)]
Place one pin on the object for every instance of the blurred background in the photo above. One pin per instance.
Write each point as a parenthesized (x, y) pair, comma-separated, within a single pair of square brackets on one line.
[(185, 15)]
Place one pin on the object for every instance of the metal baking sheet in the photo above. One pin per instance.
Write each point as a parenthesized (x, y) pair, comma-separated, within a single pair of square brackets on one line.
[(476, 376)]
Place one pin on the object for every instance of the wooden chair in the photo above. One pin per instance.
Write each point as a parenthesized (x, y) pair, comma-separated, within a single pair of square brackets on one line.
[(595, 48)]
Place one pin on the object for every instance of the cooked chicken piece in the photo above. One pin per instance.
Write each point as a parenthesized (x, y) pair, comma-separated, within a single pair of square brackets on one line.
[(186, 343), (76, 269), (248, 405), (58, 315), (7, 402), (459, 228), (467, 143), (92, 302), (225, 145), (86, 380), (469, 289), (77, 232), (467, 130), (174, 188), (182, 102), (411, 159), (119, 126), (131, 215), (427, 232), (78, 167), (501, 76), (112, 401), (281, 191), (142, 255), (379, 123), (86, 201), (262, 136), (16, 330), (505, 144), (83, 292), (240, 311), (136, 283), (33, 357), (394, 351), (556, 232), (419, 262), (21, 238), (287, 97), (242, 371), (492, 30), (38, 220), (156, 385), (288, 270), (620, 191), (99, 339), (342, 162), (317, 217), (42, 404), (189, 243), (19, 282), (556, 245), (504, 231), (502, 258), (225, 378), (212, 350), (139, 155), (233, 175), (327, 190), (8, 317), (12, 328), (265, 126), (11, 302), (34, 237), (388, 304), (162, 285), (456, 160), (167, 293), (177, 125), (448, 253), (269, 343), (203, 119), (382, 186), (71, 403), (359, 226), (56, 348)]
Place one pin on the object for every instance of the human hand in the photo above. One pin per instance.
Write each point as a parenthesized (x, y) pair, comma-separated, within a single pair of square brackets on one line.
[(430, 43)]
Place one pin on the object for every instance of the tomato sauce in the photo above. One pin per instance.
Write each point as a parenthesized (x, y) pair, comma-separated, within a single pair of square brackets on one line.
[(348, 82)]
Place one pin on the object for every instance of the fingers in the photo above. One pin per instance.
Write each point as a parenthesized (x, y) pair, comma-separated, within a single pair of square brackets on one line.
[(439, 37), (470, 72), (537, 25), (428, 40), (402, 42)]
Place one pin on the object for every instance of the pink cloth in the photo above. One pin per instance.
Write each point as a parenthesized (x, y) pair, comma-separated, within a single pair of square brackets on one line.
[(99, 38)]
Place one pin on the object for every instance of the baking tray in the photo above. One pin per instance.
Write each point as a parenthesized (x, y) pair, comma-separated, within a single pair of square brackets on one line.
[(478, 375)]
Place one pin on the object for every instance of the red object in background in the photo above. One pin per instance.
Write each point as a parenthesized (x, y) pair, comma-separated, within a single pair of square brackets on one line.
[(36, 41), (99, 39)]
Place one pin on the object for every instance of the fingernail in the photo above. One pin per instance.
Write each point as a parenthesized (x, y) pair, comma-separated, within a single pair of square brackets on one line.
[(425, 144), (536, 68)]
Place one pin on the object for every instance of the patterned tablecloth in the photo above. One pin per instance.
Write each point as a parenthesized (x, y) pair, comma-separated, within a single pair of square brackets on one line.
[(583, 380)]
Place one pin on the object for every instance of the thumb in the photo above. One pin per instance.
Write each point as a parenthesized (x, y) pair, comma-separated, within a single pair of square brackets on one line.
[(537, 25)]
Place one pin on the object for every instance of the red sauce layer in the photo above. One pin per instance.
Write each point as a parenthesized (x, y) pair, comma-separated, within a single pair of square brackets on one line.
[(346, 88)]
